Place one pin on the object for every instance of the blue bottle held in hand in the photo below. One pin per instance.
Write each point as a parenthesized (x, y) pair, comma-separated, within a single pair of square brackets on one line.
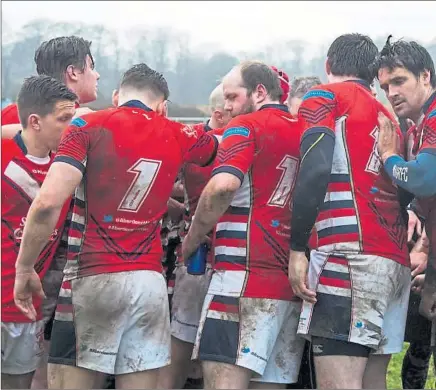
[(197, 262)]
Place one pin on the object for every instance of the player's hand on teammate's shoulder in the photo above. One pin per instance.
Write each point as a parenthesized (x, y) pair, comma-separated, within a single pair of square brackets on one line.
[(388, 142)]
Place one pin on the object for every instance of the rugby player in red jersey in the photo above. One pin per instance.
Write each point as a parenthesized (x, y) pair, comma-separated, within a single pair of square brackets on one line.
[(406, 73), (67, 59), (189, 291), (299, 87), (112, 314), (356, 292), (46, 107), (249, 319)]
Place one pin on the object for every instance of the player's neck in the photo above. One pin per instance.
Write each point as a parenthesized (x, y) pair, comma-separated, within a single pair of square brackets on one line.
[(339, 79), (265, 102), (34, 148), (213, 124), (414, 117), (127, 97)]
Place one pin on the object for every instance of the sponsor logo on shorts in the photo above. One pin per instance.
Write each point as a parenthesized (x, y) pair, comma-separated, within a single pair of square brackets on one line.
[(93, 350), (246, 350), (317, 348)]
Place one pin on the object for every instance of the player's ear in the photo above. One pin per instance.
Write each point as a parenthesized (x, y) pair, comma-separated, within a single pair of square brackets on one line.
[(260, 93), (71, 74), (33, 122), (327, 66), (162, 108), (115, 97), (426, 77), (218, 115)]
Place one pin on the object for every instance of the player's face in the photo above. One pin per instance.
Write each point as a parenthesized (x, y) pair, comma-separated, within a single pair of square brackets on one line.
[(86, 88), (294, 104), (52, 125), (237, 101), (405, 92)]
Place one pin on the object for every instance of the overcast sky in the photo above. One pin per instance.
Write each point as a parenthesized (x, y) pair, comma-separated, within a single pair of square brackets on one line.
[(241, 25)]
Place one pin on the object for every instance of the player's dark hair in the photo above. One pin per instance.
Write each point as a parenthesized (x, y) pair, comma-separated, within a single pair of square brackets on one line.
[(301, 85), (254, 73), (352, 55), (408, 55), (53, 57), (39, 95), (142, 77)]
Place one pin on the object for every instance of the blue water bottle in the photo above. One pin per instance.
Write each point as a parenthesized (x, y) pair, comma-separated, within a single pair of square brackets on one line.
[(197, 262)]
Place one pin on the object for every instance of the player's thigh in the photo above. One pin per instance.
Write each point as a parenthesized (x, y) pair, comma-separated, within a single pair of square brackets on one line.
[(284, 362), (239, 331), (187, 302), (146, 340), (22, 347), (90, 319), (395, 316), (353, 293)]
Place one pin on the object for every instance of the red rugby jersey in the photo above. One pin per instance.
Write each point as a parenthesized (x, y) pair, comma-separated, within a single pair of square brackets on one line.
[(361, 210), (262, 150), (9, 115), (22, 176), (130, 157), (425, 142)]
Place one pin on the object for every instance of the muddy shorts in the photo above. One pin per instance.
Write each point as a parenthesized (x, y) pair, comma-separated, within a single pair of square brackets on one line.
[(188, 298), (361, 299), (115, 323), (255, 333)]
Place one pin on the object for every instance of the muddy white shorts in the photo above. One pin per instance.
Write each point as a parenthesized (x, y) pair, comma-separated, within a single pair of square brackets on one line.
[(188, 298), (255, 333), (22, 347), (116, 323), (361, 299)]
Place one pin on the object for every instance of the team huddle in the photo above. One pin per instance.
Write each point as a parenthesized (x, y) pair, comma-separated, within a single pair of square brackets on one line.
[(308, 199)]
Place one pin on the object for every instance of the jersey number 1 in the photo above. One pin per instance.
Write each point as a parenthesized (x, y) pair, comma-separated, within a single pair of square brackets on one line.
[(282, 192), (145, 172)]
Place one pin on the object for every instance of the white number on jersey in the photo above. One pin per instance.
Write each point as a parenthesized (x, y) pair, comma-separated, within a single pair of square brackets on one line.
[(282, 192), (374, 164), (145, 174)]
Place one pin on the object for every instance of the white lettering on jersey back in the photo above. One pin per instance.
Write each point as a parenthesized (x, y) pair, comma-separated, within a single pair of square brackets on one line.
[(22, 179), (340, 161)]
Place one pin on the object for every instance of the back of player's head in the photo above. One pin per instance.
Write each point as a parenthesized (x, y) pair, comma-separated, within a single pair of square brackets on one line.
[(408, 55), (284, 83), (39, 95), (352, 55), (254, 73), (301, 85), (53, 57), (142, 78), (216, 98)]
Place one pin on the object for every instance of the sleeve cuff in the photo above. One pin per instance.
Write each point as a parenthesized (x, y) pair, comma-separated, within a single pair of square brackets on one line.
[(71, 161), (228, 169)]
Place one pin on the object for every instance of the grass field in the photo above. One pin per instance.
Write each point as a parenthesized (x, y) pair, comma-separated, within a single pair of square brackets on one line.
[(394, 372)]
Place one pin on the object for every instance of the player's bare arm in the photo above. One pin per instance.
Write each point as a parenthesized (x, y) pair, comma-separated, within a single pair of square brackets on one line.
[(214, 201), (316, 149), (59, 184), (417, 176), (9, 131)]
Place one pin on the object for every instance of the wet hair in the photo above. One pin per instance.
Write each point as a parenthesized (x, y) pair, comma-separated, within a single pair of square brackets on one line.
[(352, 55), (142, 77), (39, 95), (408, 55), (53, 57), (254, 73)]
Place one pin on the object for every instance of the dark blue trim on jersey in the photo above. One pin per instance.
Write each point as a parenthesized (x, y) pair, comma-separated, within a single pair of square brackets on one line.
[(207, 127), (428, 103), (238, 234), (136, 104), (417, 177), (228, 169), (281, 107), (70, 161), (19, 141)]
